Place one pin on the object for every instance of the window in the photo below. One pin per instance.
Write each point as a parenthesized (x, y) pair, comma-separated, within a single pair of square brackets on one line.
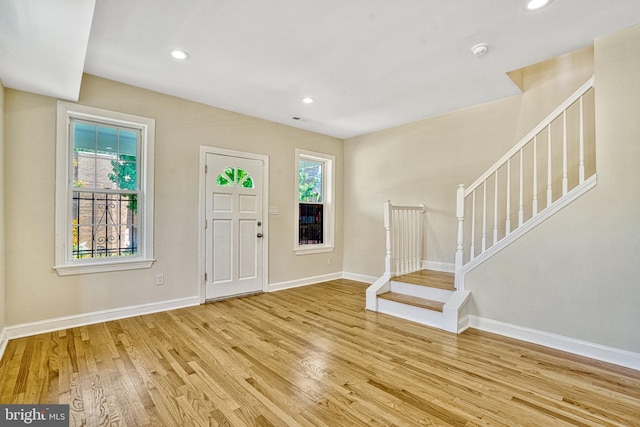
[(232, 176), (314, 214), (104, 190)]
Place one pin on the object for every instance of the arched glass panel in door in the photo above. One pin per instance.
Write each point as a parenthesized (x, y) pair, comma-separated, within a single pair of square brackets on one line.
[(232, 176)]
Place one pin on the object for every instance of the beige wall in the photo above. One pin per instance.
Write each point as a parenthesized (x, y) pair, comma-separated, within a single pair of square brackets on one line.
[(35, 292), (578, 275), (424, 162), (2, 247)]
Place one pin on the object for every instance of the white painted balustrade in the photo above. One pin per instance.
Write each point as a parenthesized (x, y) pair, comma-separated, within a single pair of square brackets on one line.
[(537, 176), (404, 227)]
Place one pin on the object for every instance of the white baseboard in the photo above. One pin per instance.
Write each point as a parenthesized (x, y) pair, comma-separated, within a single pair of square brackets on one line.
[(4, 340), (74, 321), (445, 267), (359, 277), (603, 353), (303, 282)]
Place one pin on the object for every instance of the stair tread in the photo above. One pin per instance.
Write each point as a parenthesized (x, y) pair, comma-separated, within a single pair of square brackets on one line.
[(429, 278), (414, 301)]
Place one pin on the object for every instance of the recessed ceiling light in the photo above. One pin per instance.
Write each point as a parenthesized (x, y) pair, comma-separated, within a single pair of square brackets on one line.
[(308, 100), (537, 4), (180, 54)]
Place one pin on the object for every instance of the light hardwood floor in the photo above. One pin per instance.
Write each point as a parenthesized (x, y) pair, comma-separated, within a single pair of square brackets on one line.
[(309, 356), (431, 278)]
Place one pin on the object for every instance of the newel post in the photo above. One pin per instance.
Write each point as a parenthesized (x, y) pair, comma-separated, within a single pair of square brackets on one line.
[(460, 216), (387, 227)]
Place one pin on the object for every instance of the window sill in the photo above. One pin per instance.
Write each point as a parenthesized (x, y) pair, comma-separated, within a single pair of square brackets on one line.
[(316, 249), (102, 267)]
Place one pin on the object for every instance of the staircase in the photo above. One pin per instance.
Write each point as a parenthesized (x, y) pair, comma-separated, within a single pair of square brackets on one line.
[(408, 291), (419, 297), (427, 297), (548, 169), (424, 289)]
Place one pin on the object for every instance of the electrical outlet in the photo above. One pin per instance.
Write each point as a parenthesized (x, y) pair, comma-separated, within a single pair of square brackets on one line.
[(160, 279), (329, 261)]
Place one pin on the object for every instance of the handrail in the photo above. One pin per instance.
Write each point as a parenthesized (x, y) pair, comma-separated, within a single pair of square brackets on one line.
[(493, 190)]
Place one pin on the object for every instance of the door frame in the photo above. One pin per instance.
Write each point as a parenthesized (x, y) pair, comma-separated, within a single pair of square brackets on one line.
[(204, 150)]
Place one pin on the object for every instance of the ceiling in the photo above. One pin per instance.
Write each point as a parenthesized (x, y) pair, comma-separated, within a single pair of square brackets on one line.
[(369, 64)]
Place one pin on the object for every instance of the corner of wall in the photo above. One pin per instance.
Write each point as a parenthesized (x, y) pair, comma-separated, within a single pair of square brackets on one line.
[(2, 273), (2, 169)]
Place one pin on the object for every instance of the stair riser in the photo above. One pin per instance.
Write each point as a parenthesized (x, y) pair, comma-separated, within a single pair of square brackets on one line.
[(412, 313), (425, 292)]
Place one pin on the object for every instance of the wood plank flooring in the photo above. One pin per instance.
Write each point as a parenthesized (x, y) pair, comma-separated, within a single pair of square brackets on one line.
[(431, 278), (310, 356), (414, 301)]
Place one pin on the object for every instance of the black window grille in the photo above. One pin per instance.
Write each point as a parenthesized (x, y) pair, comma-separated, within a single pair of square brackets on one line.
[(104, 224)]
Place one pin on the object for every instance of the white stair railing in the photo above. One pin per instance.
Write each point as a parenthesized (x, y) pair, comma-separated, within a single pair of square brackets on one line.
[(547, 167), (404, 227)]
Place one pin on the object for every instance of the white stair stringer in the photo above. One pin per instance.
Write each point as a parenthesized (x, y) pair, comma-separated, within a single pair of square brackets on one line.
[(456, 312), (380, 286)]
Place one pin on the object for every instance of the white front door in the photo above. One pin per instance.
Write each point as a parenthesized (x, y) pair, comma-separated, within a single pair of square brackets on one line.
[(234, 226)]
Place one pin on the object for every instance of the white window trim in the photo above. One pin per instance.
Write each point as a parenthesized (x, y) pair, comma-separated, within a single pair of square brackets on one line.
[(328, 194), (64, 264)]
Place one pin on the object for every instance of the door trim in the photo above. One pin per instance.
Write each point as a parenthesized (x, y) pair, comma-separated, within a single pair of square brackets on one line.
[(204, 150)]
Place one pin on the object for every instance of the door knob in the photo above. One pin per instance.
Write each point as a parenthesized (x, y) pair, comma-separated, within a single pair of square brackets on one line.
[(259, 235)]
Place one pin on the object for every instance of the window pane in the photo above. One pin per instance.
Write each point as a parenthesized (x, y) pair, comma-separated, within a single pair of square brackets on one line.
[(84, 136), (104, 171), (104, 225), (104, 157), (83, 169), (128, 142), (107, 142), (231, 174), (247, 183), (310, 181), (123, 173), (223, 181), (82, 248), (310, 226), (83, 208)]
